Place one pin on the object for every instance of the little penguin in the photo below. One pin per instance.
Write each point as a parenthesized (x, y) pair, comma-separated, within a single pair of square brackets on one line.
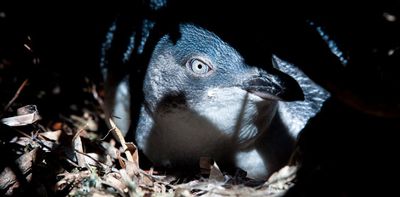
[(201, 99)]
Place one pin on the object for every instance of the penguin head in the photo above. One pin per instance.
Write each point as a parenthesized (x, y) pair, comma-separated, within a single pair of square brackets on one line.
[(200, 63)]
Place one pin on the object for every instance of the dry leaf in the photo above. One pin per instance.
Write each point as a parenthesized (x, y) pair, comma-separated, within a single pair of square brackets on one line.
[(181, 192), (26, 115), (210, 168), (120, 138), (132, 168), (146, 180), (71, 179), (281, 181), (86, 121), (101, 194), (121, 160), (117, 184), (22, 141), (95, 159), (216, 174), (110, 149), (77, 145), (52, 135), (24, 164), (133, 150), (27, 109), (57, 126), (131, 183)]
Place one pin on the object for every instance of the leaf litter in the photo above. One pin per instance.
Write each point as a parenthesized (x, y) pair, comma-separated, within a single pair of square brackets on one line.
[(75, 156)]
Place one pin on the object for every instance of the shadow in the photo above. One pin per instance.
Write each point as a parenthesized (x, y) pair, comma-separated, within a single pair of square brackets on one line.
[(9, 158), (179, 136), (20, 174), (276, 145), (343, 152), (185, 145)]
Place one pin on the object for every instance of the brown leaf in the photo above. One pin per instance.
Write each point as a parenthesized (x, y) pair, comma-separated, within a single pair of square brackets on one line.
[(97, 193), (27, 109), (24, 164), (112, 181), (132, 168), (86, 121), (57, 126), (129, 180), (120, 138), (22, 141), (146, 180), (281, 181), (71, 179), (210, 168), (52, 135), (77, 145), (133, 150), (110, 149), (121, 160), (181, 192), (216, 174), (95, 159), (26, 115)]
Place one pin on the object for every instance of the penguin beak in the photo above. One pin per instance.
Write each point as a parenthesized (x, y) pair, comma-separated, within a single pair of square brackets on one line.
[(276, 86)]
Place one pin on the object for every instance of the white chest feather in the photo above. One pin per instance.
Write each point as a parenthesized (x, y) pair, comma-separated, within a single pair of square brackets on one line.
[(236, 113), (226, 120)]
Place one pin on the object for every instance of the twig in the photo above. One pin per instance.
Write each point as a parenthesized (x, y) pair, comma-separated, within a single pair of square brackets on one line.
[(108, 133), (33, 137), (22, 133), (79, 132), (121, 139), (21, 87), (96, 95), (71, 162), (95, 160)]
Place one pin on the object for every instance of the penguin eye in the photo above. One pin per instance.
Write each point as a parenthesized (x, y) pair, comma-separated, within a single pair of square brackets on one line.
[(199, 67)]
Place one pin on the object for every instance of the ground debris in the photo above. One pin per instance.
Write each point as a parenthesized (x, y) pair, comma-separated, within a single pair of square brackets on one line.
[(10, 177), (25, 115), (74, 156)]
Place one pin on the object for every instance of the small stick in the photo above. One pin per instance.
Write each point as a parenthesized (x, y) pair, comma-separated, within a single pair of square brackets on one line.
[(121, 139), (87, 155), (21, 87), (108, 133)]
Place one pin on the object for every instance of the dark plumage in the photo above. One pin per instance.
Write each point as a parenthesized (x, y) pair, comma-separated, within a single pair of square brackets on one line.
[(201, 98)]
